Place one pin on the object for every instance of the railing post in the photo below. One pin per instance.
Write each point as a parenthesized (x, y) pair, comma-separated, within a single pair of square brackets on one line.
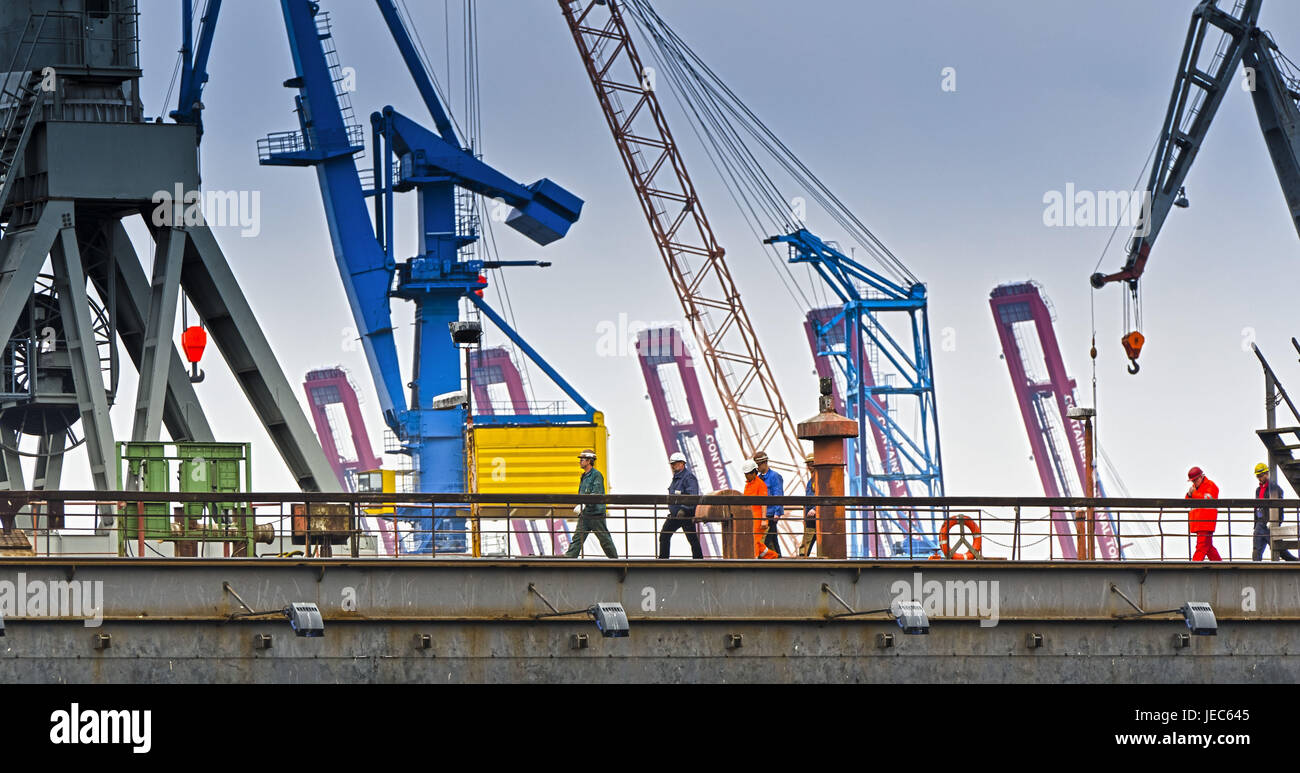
[(1015, 537), (1119, 535), (354, 526), (1160, 522)]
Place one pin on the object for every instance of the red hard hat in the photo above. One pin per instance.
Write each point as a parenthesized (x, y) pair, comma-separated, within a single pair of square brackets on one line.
[(1194, 473)]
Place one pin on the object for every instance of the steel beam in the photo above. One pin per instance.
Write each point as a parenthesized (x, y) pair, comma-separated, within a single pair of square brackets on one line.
[(49, 462), (182, 412), (22, 254), (155, 359), (10, 462), (477, 590), (92, 399), (543, 652), (170, 621)]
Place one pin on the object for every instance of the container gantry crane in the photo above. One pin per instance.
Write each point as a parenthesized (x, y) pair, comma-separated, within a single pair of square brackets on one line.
[(1045, 394), (684, 426), (326, 387), (1204, 77), (443, 172)]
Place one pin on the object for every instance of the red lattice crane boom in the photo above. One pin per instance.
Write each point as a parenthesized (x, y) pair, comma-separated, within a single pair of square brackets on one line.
[(755, 411)]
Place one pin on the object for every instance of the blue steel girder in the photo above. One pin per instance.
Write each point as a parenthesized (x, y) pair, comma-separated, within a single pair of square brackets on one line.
[(870, 481), (908, 368), (364, 268), (543, 211), (194, 71), (876, 415), (916, 457), (568, 389), (415, 67), (436, 279), (806, 247)]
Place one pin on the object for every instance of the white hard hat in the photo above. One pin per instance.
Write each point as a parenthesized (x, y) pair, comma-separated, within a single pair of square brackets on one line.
[(677, 457), (749, 466)]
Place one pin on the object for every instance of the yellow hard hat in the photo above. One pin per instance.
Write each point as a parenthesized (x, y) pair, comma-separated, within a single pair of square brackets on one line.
[(1261, 468)]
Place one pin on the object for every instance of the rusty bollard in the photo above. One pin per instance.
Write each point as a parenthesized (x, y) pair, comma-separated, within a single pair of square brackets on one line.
[(827, 431)]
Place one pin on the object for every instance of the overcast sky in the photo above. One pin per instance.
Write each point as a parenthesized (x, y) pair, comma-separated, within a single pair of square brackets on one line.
[(1047, 94)]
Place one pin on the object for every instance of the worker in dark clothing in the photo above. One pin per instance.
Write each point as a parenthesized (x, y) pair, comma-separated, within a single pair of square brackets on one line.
[(681, 516), (1267, 489), (591, 518), (775, 488), (809, 514)]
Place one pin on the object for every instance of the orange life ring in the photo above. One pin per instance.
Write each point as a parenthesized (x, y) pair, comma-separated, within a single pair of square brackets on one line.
[(976, 545)]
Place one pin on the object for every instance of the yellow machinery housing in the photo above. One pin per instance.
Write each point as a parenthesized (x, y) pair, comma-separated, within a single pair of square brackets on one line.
[(515, 460), (537, 460)]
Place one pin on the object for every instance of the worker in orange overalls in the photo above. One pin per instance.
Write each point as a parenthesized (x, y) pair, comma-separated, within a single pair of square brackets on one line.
[(1201, 521), (755, 487)]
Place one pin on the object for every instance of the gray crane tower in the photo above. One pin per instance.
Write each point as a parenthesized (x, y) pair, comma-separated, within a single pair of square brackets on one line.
[(77, 157)]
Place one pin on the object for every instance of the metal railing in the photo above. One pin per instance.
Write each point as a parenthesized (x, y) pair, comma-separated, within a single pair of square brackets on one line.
[(504, 526), (350, 139), (69, 39)]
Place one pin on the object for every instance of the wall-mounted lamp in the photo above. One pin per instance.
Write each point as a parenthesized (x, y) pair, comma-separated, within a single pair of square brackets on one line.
[(1198, 615), (304, 617), (909, 615), (610, 618)]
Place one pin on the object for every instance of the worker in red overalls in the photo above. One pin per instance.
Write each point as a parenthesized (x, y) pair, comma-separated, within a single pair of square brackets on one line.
[(755, 487), (1200, 521)]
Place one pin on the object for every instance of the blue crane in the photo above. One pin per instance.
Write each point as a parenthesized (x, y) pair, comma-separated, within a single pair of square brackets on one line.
[(433, 163), (911, 456), (194, 62)]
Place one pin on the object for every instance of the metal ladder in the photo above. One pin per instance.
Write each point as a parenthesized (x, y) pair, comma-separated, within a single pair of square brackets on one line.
[(18, 129), (1280, 451)]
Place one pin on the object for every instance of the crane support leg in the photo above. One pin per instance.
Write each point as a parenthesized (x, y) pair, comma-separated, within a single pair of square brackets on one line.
[(92, 399), (183, 414), (1279, 118), (158, 330)]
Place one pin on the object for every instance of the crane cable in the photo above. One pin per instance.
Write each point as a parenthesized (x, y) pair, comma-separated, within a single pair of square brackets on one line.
[(743, 176), (180, 59), (715, 100), (409, 23), (473, 110), (783, 155), (1092, 311)]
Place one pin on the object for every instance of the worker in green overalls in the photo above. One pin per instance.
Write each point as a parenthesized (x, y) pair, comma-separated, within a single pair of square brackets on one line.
[(591, 518)]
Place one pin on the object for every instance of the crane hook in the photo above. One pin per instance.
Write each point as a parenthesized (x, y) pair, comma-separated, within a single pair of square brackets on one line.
[(1133, 347)]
